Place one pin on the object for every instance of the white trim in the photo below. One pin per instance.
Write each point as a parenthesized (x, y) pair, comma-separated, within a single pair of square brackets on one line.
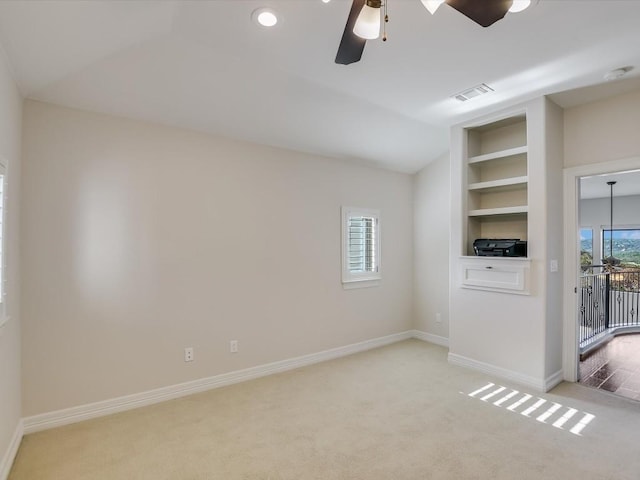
[(616, 227), (553, 380), (98, 409), (526, 380), (571, 254), (351, 284), (4, 240), (12, 451), (430, 337)]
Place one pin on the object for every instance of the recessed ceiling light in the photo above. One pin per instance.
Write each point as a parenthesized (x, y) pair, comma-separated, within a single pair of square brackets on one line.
[(326, 1), (264, 17)]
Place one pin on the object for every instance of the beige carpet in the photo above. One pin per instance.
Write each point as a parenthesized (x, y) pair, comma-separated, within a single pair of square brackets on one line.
[(399, 412)]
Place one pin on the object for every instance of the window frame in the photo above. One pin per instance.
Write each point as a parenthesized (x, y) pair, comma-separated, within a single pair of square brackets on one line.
[(360, 279), (593, 242), (4, 317), (606, 228)]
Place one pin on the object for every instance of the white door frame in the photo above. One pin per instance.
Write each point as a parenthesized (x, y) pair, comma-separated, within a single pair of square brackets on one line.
[(572, 253)]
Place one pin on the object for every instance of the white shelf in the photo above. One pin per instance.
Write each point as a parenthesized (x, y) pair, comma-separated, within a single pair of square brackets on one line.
[(496, 189), (510, 152), (500, 185), (486, 212), (483, 259)]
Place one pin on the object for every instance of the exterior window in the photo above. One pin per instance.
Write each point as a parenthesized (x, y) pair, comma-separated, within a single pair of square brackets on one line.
[(360, 246), (626, 244), (586, 247)]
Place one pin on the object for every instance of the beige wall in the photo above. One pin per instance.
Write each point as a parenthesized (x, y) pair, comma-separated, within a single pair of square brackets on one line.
[(602, 131), (431, 247), (554, 145), (10, 127), (140, 240)]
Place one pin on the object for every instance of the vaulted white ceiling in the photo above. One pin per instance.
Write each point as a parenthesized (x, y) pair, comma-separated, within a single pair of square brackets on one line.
[(205, 65)]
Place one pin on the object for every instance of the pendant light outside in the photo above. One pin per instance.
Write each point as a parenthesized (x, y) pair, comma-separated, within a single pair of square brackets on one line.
[(611, 261)]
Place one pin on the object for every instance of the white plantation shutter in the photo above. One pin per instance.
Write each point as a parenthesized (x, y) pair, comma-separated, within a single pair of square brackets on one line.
[(360, 245), (362, 240)]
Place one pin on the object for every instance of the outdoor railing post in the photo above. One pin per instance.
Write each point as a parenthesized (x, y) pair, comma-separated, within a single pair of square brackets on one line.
[(607, 300)]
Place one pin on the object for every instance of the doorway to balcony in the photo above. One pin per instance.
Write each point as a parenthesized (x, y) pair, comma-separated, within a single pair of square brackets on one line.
[(609, 283)]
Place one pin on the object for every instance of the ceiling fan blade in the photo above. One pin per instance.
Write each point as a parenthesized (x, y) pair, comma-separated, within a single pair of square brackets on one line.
[(483, 12), (351, 45)]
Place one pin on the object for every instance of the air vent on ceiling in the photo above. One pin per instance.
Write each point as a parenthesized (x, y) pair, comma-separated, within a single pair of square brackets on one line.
[(473, 92)]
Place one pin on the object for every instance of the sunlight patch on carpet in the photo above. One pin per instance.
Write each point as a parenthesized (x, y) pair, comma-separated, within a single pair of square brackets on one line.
[(563, 418)]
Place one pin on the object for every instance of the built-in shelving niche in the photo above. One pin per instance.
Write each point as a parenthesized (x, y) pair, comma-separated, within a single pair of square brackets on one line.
[(497, 181)]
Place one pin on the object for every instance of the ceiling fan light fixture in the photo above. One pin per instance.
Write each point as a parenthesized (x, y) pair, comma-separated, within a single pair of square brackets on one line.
[(432, 5), (368, 23), (519, 5)]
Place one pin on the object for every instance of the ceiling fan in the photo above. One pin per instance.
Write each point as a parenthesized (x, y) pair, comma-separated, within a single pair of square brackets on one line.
[(364, 19)]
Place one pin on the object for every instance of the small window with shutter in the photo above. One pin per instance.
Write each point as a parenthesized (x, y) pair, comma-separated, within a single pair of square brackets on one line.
[(360, 246)]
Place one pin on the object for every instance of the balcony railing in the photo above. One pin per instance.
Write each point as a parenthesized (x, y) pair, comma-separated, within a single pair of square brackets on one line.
[(610, 304)]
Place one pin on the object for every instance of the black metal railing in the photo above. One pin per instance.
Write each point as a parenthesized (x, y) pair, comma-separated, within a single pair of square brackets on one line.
[(609, 301)]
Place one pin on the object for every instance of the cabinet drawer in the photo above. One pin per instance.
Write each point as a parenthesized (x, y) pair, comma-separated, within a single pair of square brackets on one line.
[(501, 275)]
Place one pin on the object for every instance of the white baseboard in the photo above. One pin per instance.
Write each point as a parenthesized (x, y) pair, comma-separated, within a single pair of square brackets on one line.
[(431, 338), (98, 409), (553, 380), (10, 454), (538, 384)]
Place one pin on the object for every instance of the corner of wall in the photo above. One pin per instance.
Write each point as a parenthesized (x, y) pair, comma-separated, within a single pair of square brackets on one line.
[(10, 455), (10, 334), (431, 249)]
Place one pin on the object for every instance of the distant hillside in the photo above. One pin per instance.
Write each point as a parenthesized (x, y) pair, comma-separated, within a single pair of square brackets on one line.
[(627, 249), (586, 245)]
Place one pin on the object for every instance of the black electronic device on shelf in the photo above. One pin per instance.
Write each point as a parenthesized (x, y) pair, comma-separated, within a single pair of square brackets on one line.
[(500, 247)]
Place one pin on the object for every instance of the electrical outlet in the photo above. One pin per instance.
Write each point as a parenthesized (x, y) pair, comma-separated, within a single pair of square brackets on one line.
[(233, 346), (188, 354), (553, 266), (438, 318)]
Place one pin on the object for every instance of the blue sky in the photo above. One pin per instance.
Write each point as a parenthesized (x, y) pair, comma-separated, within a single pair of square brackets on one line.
[(622, 234)]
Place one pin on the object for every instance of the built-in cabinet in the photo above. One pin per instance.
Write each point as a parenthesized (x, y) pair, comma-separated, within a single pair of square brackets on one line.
[(495, 187), (496, 180), (505, 313)]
